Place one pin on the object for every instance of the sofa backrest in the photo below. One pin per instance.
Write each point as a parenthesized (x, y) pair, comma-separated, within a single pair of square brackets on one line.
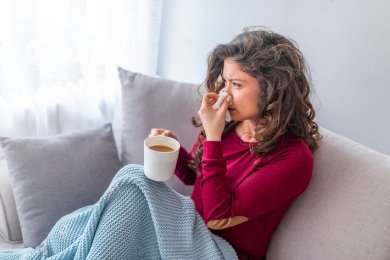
[(345, 211)]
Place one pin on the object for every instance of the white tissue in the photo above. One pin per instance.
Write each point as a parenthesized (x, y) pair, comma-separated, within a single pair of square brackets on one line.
[(227, 116), (222, 95)]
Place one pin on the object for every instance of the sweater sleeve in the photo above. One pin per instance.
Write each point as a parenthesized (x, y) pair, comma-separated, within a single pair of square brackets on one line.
[(271, 185), (182, 170)]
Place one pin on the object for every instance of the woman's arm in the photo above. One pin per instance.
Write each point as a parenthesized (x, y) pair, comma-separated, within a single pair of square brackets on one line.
[(272, 185), (183, 171)]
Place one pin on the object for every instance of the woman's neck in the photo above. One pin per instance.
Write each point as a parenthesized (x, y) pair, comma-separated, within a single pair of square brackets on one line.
[(246, 131)]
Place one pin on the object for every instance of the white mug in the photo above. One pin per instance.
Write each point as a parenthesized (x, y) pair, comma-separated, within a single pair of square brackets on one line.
[(160, 157)]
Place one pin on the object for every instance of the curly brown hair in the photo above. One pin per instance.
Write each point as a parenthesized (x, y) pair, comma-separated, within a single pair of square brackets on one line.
[(285, 87)]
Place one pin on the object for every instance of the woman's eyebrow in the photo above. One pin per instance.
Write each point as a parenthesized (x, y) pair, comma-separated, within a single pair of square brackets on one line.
[(234, 79), (231, 79)]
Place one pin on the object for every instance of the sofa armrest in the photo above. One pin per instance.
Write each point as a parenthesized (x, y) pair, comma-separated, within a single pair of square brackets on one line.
[(9, 221), (344, 213)]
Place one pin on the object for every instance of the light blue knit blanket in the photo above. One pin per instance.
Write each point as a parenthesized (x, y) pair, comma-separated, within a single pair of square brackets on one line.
[(136, 218)]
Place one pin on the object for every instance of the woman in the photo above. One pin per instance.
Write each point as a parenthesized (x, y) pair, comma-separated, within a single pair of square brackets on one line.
[(248, 171)]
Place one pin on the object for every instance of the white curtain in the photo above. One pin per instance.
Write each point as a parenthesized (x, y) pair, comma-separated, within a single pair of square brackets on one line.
[(59, 59)]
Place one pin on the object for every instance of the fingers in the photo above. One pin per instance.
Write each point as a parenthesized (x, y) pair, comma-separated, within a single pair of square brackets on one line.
[(225, 104), (161, 131), (209, 99), (156, 131), (216, 102), (213, 120)]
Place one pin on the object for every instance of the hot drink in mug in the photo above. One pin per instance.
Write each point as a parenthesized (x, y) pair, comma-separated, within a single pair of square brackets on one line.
[(160, 157)]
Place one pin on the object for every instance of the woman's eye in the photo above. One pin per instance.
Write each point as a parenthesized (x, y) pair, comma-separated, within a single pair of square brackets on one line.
[(236, 85)]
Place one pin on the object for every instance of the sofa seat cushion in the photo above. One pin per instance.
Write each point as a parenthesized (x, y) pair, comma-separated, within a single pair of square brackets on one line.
[(4, 244), (9, 220), (344, 213)]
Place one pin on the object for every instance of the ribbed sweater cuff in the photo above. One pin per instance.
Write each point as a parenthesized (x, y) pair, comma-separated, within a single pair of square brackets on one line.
[(212, 150)]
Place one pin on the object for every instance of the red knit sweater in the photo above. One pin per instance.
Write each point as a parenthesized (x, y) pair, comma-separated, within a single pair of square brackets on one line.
[(242, 197)]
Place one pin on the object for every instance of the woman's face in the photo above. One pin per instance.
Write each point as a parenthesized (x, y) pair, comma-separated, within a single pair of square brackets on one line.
[(244, 90)]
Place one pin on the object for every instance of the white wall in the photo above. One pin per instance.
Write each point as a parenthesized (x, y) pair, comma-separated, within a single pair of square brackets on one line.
[(346, 42)]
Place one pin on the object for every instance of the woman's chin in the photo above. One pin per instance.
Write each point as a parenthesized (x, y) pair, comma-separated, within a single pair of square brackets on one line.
[(233, 116)]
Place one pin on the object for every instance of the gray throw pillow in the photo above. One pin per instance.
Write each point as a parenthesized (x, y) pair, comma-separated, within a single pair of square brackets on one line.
[(153, 102), (53, 176)]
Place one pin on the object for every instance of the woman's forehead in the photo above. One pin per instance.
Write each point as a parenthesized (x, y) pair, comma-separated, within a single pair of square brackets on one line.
[(232, 70)]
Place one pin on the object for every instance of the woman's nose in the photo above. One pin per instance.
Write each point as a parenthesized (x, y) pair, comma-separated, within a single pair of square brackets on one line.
[(228, 89)]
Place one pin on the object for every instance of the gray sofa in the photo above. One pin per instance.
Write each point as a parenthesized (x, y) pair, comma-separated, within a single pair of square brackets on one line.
[(343, 214)]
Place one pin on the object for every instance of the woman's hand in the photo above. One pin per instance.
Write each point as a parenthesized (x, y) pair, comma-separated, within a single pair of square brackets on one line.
[(161, 131), (213, 121)]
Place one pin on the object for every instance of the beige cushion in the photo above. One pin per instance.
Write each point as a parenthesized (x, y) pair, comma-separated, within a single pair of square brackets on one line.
[(345, 212), (9, 221)]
